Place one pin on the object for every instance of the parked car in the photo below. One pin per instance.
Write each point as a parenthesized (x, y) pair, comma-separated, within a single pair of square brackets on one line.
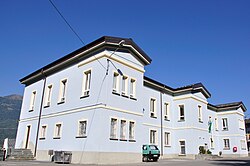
[(150, 152)]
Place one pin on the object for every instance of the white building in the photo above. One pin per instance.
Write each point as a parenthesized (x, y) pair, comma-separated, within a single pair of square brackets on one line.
[(83, 104)]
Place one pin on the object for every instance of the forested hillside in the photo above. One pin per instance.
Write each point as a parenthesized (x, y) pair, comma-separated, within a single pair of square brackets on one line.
[(10, 107)]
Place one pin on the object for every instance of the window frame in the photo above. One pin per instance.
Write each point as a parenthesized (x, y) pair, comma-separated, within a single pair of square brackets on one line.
[(153, 109), (225, 141), (132, 89), (224, 124), (216, 123), (116, 83), (42, 132), (32, 101), (167, 139), (56, 131), (123, 128), (131, 137), (181, 117), (114, 135), (48, 96), (153, 140), (78, 128), (86, 83), (200, 117), (166, 111), (62, 91), (124, 91), (180, 146)]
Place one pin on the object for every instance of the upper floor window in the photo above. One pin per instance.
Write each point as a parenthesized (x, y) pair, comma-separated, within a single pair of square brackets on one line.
[(62, 93), (226, 144), (199, 113), (153, 137), (216, 124), (224, 124), (86, 83), (131, 130), (241, 124), (82, 128), (58, 130), (32, 101), (243, 144), (48, 96), (166, 111), (153, 108), (113, 128), (116, 83), (181, 113), (132, 88), (124, 85)]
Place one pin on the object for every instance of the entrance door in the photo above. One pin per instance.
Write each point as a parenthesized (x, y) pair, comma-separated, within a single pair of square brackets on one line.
[(27, 137)]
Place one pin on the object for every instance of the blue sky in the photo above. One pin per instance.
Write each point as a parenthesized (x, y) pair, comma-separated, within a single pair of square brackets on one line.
[(189, 41)]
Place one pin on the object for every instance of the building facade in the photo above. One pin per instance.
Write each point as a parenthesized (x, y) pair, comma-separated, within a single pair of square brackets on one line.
[(247, 125), (97, 103)]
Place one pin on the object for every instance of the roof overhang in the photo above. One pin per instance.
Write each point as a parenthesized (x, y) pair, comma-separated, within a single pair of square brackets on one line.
[(103, 43), (227, 107)]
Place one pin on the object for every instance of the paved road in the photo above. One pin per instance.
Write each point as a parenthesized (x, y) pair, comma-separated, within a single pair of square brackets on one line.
[(172, 162)]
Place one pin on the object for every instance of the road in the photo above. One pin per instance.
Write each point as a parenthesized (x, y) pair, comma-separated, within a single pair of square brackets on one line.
[(170, 162)]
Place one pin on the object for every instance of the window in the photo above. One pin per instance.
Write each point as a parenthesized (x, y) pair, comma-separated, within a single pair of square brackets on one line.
[(167, 139), (113, 128), (58, 130), (226, 144), (62, 91), (153, 108), (125, 85), (241, 124), (166, 111), (181, 111), (48, 96), (153, 135), (116, 83), (123, 130), (224, 124), (82, 128), (199, 113), (32, 101), (212, 142), (216, 124), (182, 148), (132, 88), (43, 132), (243, 144), (86, 83), (131, 130)]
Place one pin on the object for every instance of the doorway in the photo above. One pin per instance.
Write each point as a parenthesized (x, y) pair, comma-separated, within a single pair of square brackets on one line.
[(27, 137)]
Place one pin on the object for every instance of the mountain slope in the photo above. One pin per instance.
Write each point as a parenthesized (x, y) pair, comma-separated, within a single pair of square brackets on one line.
[(10, 107)]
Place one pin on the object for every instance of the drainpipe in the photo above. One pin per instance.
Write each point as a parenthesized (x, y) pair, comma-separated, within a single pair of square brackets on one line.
[(40, 111), (161, 124)]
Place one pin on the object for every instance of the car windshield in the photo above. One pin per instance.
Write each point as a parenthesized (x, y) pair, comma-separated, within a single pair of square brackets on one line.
[(153, 147)]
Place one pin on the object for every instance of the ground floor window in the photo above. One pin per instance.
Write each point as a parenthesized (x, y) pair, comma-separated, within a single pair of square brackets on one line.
[(131, 130), (167, 139), (182, 148), (226, 144), (58, 130), (43, 132), (113, 128), (243, 144), (82, 127), (153, 134)]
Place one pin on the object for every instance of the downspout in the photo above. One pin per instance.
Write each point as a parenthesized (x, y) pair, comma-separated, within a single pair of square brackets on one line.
[(161, 124), (40, 111)]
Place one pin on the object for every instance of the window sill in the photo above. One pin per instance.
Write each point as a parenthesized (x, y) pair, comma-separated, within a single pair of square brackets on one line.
[(84, 96), (123, 140), (167, 146), (132, 140), (167, 120), (56, 137), (31, 110), (182, 154), (116, 93), (155, 117), (181, 120), (133, 98), (125, 95), (226, 148), (113, 139), (46, 106), (42, 138), (200, 121), (224, 129), (83, 136), (60, 102)]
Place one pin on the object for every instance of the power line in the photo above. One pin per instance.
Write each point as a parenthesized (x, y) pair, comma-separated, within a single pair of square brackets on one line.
[(72, 29)]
